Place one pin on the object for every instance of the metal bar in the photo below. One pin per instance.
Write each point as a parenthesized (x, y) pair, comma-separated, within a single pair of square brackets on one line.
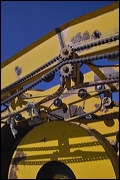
[(60, 37), (58, 92)]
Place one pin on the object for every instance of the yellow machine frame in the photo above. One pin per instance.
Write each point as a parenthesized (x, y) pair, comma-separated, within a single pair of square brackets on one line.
[(68, 126)]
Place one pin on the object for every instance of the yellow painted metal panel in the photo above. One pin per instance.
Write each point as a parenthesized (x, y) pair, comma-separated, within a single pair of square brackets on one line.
[(30, 61), (102, 23), (87, 154), (48, 47), (65, 142)]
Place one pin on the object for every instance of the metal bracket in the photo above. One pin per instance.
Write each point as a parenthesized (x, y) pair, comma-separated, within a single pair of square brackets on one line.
[(12, 123)]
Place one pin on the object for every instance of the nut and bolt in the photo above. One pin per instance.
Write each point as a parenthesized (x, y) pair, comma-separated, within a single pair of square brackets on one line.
[(99, 87), (57, 102), (82, 93), (18, 117), (65, 69), (65, 52)]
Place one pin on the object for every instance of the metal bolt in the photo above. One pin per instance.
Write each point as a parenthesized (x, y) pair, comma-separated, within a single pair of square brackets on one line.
[(57, 102), (82, 93), (107, 102), (65, 69), (18, 117), (99, 87), (65, 52)]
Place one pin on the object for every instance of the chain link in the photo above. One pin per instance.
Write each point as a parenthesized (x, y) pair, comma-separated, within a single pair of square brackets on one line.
[(85, 59), (60, 64), (76, 48)]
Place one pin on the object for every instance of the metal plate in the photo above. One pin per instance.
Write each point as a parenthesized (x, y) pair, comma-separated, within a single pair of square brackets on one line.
[(73, 145)]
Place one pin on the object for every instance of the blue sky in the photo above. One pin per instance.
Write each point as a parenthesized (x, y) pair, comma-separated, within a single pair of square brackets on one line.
[(23, 22)]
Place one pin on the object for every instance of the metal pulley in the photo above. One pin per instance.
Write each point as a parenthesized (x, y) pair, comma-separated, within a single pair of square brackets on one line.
[(107, 102), (18, 117), (65, 52), (100, 87), (57, 102), (49, 78), (66, 70), (82, 93)]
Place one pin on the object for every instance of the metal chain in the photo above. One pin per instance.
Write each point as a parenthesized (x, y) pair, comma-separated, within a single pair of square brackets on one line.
[(31, 74), (95, 43), (76, 48), (85, 59)]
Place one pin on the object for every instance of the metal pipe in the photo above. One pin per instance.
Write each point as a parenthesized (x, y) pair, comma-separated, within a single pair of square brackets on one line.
[(89, 84), (85, 114), (57, 93)]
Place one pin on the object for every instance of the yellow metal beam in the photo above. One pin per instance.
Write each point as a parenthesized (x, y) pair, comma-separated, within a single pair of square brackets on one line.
[(48, 47)]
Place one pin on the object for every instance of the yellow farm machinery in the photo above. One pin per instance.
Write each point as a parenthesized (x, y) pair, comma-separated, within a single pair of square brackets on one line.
[(69, 130)]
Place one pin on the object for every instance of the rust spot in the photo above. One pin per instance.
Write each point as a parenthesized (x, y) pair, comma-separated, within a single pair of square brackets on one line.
[(85, 36), (18, 70), (109, 72), (77, 38), (96, 105), (13, 172), (96, 34), (20, 156)]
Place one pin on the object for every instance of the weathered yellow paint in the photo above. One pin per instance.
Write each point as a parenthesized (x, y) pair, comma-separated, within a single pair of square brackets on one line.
[(30, 60), (66, 142), (83, 149), (48, 47), (69, 99), (100, 74), (90, 23)]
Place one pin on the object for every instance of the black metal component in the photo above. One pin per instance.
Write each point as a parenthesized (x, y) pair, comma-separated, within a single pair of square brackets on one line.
[(65, 69), (81, 77), (82, 93), (57, 102), (50, 77), (80, 47), (18, 117), (91, 58)]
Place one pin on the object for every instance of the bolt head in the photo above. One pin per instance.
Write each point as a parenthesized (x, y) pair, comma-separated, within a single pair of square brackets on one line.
[(18, 117), (99, 87), (57, 102), (82, 93), (65, 52), (65, 69)]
